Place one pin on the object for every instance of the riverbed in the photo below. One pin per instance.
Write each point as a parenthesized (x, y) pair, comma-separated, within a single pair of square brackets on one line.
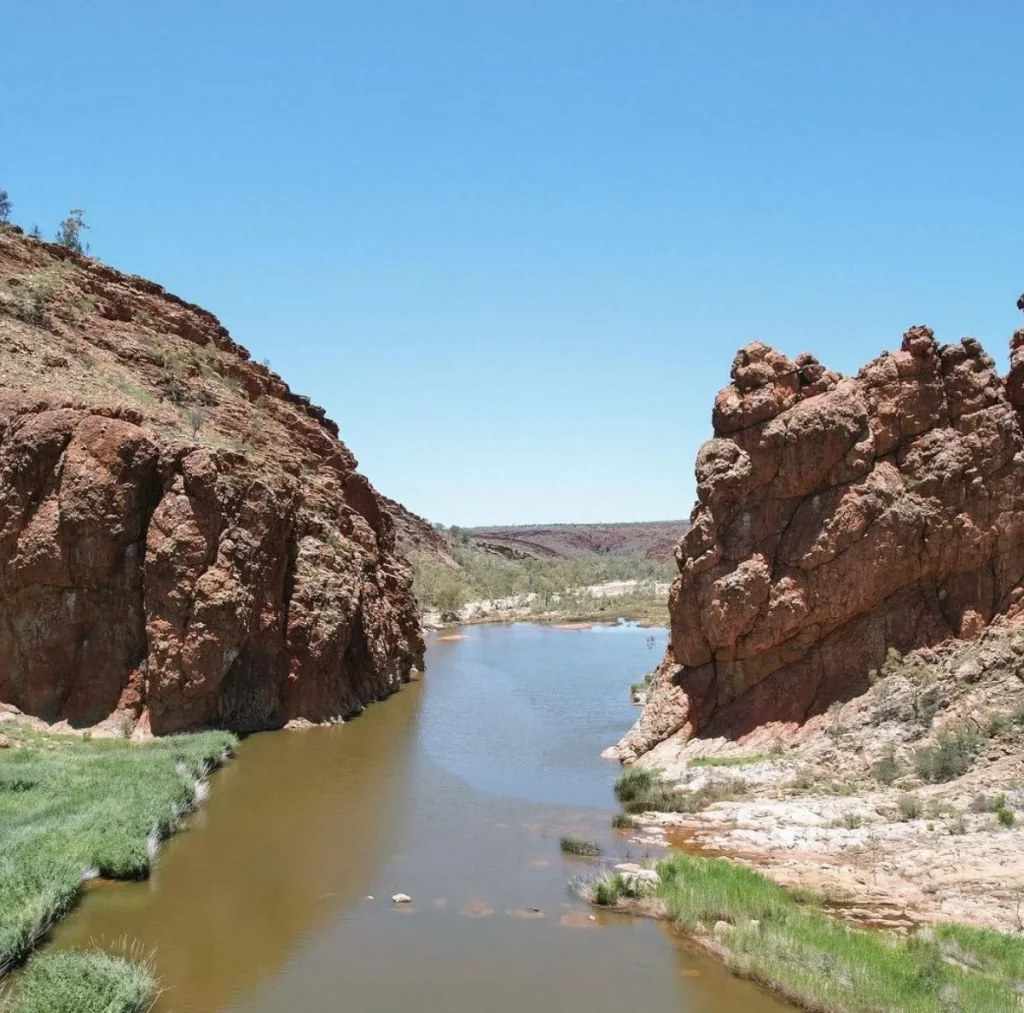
[(277, 896)]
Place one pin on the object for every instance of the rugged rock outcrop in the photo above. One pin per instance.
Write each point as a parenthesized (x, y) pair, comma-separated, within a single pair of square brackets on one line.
[(838, 517), (183, 540)]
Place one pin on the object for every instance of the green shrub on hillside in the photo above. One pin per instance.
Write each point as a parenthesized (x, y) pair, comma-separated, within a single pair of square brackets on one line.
[(952, 755)]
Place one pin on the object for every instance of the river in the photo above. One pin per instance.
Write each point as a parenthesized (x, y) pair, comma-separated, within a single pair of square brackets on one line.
[(454, 791)]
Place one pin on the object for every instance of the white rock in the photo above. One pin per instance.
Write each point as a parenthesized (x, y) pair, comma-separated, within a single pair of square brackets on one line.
[(401, 898)]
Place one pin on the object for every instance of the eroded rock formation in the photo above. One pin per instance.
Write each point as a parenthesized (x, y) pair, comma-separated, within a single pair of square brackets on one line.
[(183, 540), (836, 518)]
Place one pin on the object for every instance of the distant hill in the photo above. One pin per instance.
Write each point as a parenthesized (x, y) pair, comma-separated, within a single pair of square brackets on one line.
[(653, 540)]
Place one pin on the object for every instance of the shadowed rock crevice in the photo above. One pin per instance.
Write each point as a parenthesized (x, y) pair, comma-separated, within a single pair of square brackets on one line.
[(838, 517)]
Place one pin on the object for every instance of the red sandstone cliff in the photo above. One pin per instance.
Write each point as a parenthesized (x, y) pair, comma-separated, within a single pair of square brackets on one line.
[(837, 518), (183, 540)]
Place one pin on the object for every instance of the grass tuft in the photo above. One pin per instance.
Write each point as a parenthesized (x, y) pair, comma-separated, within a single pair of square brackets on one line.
[(1006, 817), (82, 982), (642, 790), (578, 846)]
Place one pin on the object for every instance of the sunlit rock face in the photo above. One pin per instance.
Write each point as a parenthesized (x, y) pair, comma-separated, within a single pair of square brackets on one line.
[(183, 540), (838, 517)]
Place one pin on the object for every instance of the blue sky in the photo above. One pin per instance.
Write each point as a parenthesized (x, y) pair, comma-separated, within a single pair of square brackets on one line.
[(513, 245)]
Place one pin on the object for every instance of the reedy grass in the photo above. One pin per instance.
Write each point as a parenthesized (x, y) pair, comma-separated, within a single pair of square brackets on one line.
[(76, 981), (824, 964), (578, 846), (73, 808), (641, 790)]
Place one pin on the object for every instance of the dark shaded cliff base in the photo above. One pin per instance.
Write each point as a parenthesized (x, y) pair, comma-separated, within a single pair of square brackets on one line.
[(184, 541), (838, 518)]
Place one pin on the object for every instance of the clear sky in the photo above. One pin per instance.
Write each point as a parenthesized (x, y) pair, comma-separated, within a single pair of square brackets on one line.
[(513, 245)]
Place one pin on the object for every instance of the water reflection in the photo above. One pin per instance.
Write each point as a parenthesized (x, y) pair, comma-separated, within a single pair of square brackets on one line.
[(294, 829), (455, 791)]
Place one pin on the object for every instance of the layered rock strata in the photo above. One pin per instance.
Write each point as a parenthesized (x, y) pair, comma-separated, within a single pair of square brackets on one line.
[(837, 518)]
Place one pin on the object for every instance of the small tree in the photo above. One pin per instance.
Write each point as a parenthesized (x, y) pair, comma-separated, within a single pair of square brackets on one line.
[(5, 206), (35, 232), (196, 418), (70, 232)]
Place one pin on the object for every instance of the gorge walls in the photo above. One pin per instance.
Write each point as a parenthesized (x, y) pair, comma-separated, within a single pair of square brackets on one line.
[(183, 540), (837, 518)]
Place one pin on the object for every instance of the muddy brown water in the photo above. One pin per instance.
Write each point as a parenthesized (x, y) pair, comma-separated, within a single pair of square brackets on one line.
[(455, 791)]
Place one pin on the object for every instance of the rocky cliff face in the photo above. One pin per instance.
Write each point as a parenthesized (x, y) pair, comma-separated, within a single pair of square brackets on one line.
[(183, 540), (838, 517)]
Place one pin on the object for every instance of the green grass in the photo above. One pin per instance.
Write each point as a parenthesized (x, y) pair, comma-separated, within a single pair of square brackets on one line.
[(72, 808), (623, 821), (826, 965), (607, 891), (82, 982), (578, 846), (728, 761), (641, 790)]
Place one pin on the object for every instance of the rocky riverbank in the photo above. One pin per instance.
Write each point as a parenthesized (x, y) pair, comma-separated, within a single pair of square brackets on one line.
[(899, 807)]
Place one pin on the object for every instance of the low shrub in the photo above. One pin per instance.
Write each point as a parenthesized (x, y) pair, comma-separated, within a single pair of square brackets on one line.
[(623, 821), (849, 821), (1005, 817), (887, 769), (578, 846), (950, 757), (988, 803), (956, 825), (910, 807)]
